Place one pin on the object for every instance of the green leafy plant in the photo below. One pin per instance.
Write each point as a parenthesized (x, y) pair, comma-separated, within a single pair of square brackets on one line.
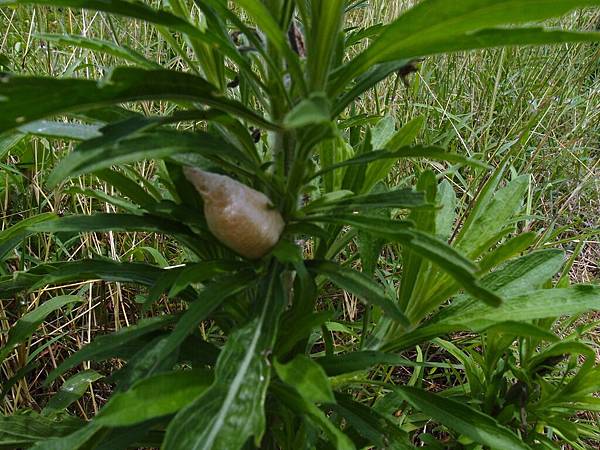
[(270, 90)]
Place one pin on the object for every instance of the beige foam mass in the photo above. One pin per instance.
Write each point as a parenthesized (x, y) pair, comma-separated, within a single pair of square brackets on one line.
[(240, 217)]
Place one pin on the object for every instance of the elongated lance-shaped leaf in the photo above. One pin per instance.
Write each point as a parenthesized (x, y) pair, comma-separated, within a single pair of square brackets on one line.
[(87, 269), (157, 358), (14, 235), (157, 396), (103, 222), (360, 285), (438, 26), (326, 23), (102, 153), (374, 426), (128, 187), (462, 418), (399, 198), (416, 151), (517, 277), (298, 404), (100, 46), (232, 410), (23, 430), (307, 377), (26, 99), (71, 391), (366, 81), (538, 304), (61, 130), (431, 248), (26, 325), (405, 136), (115, 345)]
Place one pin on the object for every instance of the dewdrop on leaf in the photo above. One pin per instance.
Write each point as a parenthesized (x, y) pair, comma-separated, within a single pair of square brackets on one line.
[(240, 217)]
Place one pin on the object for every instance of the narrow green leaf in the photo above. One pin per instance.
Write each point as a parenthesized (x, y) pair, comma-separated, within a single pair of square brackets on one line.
[(462, 418), (100, 46), (378, 429), (232, 409), (438, 252), (539, 304), (306, 377), (115, 345), (14, 235), (406, 135), (501, 208), (26, 99), (517, 277), (81, 439), (128, 186), (102, 154), (416, 151), (26, 325), (23, 430), (446, 215), (399, 198), (61, 130), (263, 17), (157, 396), (322, 40), (71, 391), (157, 358), (296, 403), (200, 272), (364, 81), (360, 285), (310, 111), (358, 361), (101, 222)]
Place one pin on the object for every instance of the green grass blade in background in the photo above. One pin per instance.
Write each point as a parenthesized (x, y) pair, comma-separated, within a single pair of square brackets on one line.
[(438, 26), (26, 325), (462, 418), (100, 46)]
